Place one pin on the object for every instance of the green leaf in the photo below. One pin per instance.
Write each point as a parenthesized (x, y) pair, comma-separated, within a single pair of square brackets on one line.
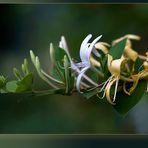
[(56, 73), (2, 81), (117, 50), (124, 102), (105, 68), (61, 70), (138, 65), (25, 84), (58, 66), (11, 86), (59, 54), (20, 86)]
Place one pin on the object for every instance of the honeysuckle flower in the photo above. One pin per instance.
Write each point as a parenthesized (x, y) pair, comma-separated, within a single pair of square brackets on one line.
[(128, 51), (114, 66), (137, 77), (75, 66), (86, 50)]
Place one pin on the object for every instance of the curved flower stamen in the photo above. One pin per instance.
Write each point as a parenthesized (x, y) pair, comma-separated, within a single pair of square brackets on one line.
[(103, 87), (107, 91)]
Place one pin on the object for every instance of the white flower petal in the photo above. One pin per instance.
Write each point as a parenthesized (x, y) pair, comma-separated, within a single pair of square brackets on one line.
[(79, 78), (83, 47), (87, 48), (88, 53)]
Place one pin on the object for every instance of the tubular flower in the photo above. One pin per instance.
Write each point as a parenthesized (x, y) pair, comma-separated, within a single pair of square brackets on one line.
[(86, 50), (128, 51), (114, 66), (74, 66), (137, 77)]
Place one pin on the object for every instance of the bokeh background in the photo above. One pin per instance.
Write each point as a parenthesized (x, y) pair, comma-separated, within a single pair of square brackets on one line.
[(34, 26)]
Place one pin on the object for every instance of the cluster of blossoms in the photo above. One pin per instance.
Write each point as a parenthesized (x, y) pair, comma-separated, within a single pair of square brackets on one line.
[(104, 70), (122, 72)]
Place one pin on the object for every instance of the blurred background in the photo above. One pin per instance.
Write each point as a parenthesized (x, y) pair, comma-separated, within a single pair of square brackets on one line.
[(27, 26)]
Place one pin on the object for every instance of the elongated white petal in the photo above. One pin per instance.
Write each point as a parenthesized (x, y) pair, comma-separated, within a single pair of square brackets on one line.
[(88, 52), (83, 48), (79, 78), (87, 48)]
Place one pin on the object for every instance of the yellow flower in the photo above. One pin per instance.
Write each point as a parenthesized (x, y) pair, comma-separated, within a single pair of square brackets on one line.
[(114, 66), (136, 77), (128, 51)]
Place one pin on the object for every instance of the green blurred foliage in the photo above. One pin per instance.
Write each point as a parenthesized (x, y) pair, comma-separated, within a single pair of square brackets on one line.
[(25, 27)]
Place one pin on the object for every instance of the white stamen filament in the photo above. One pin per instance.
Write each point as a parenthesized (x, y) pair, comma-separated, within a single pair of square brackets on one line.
[(107, 81), (116, 86)]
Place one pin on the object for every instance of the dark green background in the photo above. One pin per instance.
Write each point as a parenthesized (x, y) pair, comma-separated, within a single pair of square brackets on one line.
[(28, 26)]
